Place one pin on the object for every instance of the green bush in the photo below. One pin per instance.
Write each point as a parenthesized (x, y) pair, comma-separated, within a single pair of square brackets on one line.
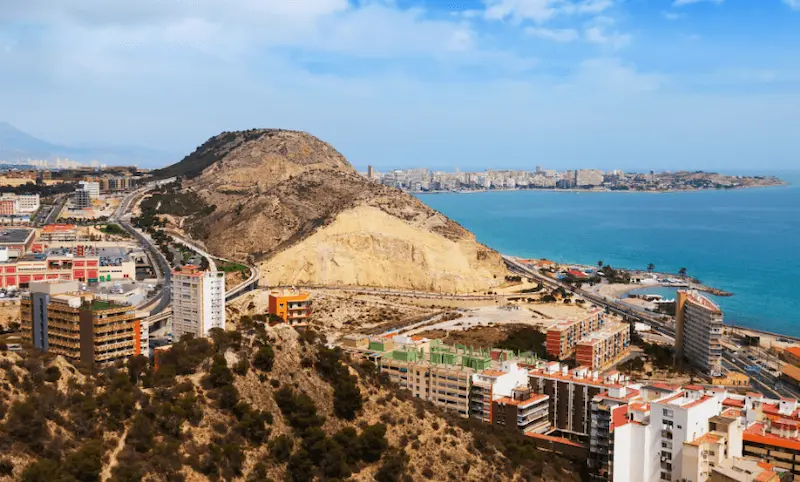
[(281, 447), (264, 358), (393, 467), (52, 374)]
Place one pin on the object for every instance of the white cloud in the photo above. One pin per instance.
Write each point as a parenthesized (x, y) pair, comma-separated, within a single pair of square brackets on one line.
[(601, 31), (562, 35), (672, 15), (678, 3), (541, 11), (795, 4)]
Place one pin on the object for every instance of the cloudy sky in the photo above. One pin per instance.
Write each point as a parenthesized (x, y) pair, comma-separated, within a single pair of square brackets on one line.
[(707, 84)]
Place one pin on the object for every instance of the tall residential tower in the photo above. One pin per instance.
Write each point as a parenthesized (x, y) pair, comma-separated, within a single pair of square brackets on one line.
[(698, 329), (198, 301)]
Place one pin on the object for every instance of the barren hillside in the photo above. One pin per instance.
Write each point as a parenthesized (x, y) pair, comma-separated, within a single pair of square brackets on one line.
[(295, 205), (260, 403)]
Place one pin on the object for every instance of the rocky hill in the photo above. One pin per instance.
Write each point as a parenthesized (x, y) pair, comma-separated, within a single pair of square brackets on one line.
[(260, 403), (293, 204)]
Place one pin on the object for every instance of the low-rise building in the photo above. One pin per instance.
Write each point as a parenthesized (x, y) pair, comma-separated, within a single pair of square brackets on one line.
[(294, 306), (17, 241), (59, 233), (791, 355), (102, 264)]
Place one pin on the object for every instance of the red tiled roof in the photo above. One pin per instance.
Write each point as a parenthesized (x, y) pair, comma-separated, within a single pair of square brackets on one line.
[(755, 433), (493, 373), (693, 387), (794, 350), (705, 438), (560, 440), (52, 228), (732, 402), (619, 416)]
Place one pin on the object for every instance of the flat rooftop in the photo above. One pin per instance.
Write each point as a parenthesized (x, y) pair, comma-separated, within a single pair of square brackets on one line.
[(15, 235), (108, 254)]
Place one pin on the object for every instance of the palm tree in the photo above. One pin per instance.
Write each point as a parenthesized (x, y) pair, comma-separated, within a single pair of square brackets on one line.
[(600, 264), (682, 272), (651, 267)]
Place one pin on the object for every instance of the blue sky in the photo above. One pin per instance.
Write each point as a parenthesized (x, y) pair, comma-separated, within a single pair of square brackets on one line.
[(703, 84)]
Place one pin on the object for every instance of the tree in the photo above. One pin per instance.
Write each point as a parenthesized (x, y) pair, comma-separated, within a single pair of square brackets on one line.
[(264, 358), (600, 263), (651, 267), (281, 447), (682, 272), (373, 442), (393, 467)]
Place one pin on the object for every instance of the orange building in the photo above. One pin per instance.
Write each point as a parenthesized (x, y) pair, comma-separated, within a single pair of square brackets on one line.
[(563, 337), (605, 347), (292, 305), (792, 355)]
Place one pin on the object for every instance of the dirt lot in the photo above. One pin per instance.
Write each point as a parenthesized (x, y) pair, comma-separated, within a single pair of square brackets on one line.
[(480, 337)]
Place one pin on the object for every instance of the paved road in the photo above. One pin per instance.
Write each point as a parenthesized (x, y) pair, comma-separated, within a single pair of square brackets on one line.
[(160, 264), (54, 210), (194, 247)]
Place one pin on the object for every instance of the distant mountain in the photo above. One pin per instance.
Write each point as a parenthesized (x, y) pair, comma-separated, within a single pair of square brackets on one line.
[(16, 145)]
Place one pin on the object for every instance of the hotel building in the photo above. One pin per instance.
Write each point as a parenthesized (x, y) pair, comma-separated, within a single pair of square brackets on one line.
[(198, 301), (698, 329), (57, 318)]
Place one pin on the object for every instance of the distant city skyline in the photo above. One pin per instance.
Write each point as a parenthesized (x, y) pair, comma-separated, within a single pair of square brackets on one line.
[(664, 84)]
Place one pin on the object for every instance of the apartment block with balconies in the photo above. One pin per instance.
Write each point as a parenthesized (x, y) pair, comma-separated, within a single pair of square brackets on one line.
[(293, 306), (57, 318), (699, 328)]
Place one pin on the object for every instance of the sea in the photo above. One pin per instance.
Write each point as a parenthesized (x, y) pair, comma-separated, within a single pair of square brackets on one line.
[(744, 241)]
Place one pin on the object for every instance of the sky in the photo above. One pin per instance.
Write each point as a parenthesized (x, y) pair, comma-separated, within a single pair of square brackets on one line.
[(473, 84)]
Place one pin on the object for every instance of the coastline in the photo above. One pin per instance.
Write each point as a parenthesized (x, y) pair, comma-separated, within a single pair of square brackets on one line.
[(582, 190)]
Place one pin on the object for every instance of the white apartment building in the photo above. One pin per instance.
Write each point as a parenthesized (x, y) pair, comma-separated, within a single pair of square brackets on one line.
[(23, 203), (198, 301), (27, 203), (658, 441), (92, 187), (698, 331)]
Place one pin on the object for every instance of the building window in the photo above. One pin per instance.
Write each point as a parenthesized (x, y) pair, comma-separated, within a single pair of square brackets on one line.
[(667, 412)]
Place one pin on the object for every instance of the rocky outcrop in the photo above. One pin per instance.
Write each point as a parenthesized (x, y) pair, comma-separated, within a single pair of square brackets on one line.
[(293, 204)]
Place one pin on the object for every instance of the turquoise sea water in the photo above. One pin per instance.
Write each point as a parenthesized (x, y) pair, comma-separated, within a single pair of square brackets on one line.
[(743, 241)]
